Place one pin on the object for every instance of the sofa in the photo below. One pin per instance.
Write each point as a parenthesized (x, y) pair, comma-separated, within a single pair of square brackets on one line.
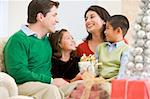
[(8, 86)]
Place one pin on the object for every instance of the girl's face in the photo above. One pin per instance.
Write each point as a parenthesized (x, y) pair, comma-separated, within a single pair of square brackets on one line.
[(93, 22), (67, 42)]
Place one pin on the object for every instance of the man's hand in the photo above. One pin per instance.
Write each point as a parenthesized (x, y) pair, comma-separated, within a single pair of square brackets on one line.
[(59, 82)]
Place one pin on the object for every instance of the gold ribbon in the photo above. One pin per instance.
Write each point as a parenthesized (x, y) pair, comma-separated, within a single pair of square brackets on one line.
[(89, 81)]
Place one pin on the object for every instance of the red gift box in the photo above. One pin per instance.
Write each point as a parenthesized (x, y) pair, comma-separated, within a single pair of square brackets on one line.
[(118, 89), (130, 89)]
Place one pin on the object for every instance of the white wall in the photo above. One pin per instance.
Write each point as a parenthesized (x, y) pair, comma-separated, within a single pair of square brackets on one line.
[(112, 6), (71, 17), (70, 13), (3, 18), (17, 14)]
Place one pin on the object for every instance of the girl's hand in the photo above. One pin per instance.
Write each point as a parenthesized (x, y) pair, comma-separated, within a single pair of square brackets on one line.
[(78, 77)]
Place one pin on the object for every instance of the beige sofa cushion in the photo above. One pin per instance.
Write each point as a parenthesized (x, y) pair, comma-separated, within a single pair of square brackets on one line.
[(8, 88), (8, 82), (2, 44)]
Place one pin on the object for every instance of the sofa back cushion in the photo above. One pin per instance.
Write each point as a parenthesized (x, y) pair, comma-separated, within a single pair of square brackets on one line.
[(2, 44)]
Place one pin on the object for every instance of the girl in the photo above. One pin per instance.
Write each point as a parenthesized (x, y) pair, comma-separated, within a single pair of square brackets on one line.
[(64, 59)]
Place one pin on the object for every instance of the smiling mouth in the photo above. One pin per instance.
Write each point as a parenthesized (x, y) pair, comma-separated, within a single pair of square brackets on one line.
[(89, 25), (106, 37)]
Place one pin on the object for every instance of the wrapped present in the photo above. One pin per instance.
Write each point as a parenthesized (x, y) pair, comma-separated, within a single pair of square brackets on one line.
[(90, 88), (130, 89), (118, 89), (88, 63)]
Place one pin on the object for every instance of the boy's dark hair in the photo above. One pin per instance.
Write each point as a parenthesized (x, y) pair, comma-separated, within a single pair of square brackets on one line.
[(55, 40), (119, 21), (103, 14), (39, 6)]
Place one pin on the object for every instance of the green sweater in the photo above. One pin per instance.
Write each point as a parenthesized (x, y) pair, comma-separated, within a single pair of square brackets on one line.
[(110, 60), (28, 58)]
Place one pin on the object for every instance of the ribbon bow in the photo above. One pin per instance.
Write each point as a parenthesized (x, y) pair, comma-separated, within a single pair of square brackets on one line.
[(89, 81)]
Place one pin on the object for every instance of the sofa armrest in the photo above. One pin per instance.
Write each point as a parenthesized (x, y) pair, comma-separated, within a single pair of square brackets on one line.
[(8, 88), (3, 92), (8, 82), (21, 97)]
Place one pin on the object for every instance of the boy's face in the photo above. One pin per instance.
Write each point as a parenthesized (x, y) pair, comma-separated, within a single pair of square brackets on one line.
[(110, 33)]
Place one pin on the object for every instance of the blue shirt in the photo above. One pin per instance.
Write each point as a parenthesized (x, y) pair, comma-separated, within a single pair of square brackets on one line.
[(27, 31)]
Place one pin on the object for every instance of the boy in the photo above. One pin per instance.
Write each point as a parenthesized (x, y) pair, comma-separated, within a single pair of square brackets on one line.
[(114, 53)]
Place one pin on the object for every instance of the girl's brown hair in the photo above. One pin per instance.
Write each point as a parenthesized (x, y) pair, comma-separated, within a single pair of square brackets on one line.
[(55, 40)]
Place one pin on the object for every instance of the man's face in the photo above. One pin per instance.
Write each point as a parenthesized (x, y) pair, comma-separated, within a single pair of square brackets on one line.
[(50, 20)]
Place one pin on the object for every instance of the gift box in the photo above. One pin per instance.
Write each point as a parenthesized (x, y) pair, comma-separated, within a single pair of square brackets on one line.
[(90, 88), (87, 63), (87, 66), (130, 89), (118, 89)]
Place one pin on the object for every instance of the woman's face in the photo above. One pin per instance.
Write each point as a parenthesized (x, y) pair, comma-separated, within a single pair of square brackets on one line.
[(67, 42), (93, 22)]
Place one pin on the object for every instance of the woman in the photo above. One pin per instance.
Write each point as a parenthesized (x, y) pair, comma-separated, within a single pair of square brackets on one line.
[(95, 18), (64, 60)]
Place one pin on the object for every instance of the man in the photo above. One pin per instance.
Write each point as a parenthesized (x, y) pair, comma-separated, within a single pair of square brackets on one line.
[(28, 53)]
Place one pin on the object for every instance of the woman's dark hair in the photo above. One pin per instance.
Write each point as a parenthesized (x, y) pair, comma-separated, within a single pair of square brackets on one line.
[(39, 6), (103, 14), (55, 40)]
